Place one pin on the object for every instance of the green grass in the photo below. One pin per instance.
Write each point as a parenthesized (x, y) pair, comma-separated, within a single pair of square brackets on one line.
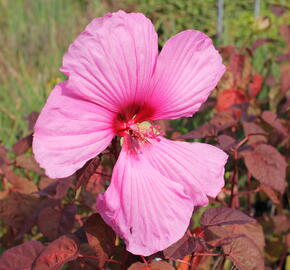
[(36, 33)]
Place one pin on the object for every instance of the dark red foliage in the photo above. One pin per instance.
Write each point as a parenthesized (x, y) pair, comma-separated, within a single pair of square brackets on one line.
[(57, 253), (224, 216), (55, 221), (267, 165), (186, 245), (248, 117), (100, 237), (21, 257)]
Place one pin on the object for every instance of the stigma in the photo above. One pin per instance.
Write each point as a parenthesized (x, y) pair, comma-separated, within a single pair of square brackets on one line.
[(136, 136)]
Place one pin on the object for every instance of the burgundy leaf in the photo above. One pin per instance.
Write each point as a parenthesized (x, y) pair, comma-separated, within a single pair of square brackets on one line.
[(219, 122), (253, 231), (28, 163), (223, 215), (23, 145), (101, 237), (57, 253), (186, 245), (226, 234), (82, 262), (19, 183), (20, 257), (84, 174), (267, 165), (250, 129), (54, 222), (31, 119), (245, 254), (54, 188), (272, 119), (226, 142), (16, 209)]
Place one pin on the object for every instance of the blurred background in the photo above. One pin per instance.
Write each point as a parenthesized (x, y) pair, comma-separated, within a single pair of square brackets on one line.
[(36, 33)]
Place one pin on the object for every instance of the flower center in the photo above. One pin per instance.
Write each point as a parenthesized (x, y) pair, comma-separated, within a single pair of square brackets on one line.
[(142, 131), (138, 135), (135, 131)]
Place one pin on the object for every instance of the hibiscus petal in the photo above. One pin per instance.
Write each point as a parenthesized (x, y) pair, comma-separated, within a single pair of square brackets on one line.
[(112, 61), (199, 167), (149, 211), (69, 132), (188, 69)]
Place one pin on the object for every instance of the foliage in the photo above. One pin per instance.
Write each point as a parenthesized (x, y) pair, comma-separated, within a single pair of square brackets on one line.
[(51, 223)]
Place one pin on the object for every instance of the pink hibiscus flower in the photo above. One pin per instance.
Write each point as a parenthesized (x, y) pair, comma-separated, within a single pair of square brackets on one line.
[(116, 81)]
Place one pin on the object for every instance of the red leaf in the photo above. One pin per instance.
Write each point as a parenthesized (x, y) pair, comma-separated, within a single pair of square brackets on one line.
[(272, 119), (54, 222), (84, 263), (22, 145), (96, 182), (267, 165), (240, 241), (57, 253), (219, 122), (226, 142), (84, 174), (256, 85), (253, 128), (16, 209), (31, 119), (223, 215), (253, 231), (245, 254), (186, 245), (161, 265), (228, 98), (20, 257), (28, 163), (101, 237), (54, 188), (19, 183)]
